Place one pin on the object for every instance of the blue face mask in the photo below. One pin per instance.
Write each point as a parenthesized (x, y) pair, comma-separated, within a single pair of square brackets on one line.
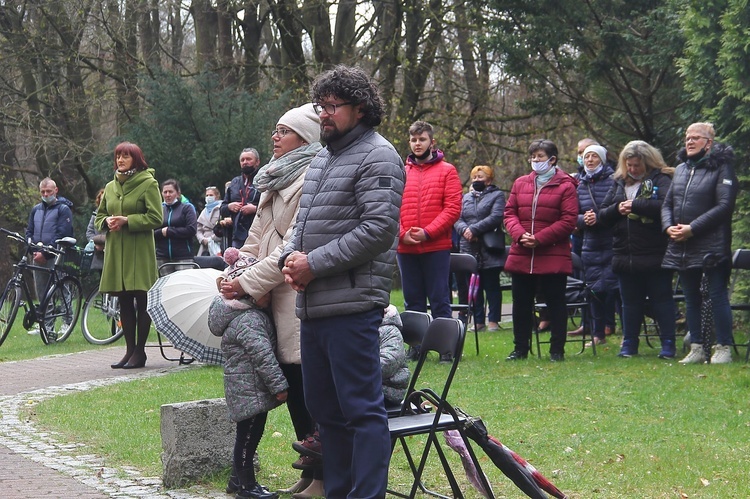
[(210, 199), (580, 161), (49, 199)]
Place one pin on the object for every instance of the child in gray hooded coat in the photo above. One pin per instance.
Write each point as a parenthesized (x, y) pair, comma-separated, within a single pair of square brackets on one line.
[(253, 383)]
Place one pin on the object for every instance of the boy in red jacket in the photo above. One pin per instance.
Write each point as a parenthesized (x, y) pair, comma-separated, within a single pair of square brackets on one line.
[(431, 205)]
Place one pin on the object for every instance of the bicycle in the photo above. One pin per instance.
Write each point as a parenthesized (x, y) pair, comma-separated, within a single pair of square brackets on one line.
[(58, 310), (100, 322)]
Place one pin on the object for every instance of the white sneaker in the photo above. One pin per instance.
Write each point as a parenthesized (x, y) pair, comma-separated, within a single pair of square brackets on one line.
[(722, 354), (695, 356), (33, 332)]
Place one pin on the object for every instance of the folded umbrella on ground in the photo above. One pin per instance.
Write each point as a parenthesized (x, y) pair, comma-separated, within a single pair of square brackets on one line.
[(523, 474)]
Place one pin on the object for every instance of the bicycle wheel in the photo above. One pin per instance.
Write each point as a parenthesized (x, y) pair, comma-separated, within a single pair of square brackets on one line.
[(100, 322), (60, 310), (9, 304)]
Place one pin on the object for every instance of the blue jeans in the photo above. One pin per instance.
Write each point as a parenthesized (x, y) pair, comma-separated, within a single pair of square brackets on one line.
[(343, 391), (718, 281), (635, 287), (426, 276)]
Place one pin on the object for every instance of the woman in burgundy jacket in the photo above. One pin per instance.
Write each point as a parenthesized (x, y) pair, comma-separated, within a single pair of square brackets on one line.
[(540, 216)]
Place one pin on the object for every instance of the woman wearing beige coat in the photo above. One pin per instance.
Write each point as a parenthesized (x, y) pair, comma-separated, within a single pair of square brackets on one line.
[(295, 144)]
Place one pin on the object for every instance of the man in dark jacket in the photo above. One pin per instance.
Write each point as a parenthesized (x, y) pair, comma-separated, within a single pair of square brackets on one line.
[(241, 198), (341, 261), (49, 221)]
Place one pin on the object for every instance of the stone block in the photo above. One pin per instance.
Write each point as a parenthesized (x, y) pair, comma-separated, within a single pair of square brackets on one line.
[(197, 440)]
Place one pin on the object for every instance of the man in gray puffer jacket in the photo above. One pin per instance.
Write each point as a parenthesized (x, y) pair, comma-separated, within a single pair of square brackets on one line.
[(341, 261)]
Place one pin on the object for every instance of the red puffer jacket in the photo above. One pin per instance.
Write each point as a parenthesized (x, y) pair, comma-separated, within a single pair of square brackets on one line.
[(550, 214), (432, 201)]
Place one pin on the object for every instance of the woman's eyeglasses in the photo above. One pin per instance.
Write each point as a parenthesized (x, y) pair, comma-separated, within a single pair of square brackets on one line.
[(281, 132)]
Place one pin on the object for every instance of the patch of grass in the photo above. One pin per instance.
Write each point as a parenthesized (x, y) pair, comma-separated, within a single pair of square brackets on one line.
[(598, 426), (19, 345)]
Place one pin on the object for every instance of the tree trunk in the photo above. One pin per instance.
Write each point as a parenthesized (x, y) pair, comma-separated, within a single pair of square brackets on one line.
[(205, 18), (293, 61), (418, 68), (225, 42), (343, 40), (251, 26), (318, 25)]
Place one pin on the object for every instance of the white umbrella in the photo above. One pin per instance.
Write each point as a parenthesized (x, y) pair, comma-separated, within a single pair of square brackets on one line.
[(178, 305)]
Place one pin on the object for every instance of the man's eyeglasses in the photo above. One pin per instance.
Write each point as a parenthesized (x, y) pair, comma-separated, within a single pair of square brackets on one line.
[(329, 108), (694, 138), (281, 132)]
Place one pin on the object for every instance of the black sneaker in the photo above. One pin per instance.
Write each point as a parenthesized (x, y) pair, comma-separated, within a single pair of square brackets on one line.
[(556, 357), (517, 355), (446, 358)]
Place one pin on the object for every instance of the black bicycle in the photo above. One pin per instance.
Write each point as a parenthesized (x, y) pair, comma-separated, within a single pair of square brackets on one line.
[(60, 305)]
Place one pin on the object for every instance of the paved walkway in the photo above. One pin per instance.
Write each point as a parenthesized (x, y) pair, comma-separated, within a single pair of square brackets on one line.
[(35, 465)]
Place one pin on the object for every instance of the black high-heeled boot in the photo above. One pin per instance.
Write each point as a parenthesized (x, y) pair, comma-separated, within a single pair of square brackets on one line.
[(256, 491)]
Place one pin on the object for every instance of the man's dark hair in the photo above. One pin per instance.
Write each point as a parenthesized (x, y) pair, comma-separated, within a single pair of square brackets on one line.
[(353, 85), (420, 127)]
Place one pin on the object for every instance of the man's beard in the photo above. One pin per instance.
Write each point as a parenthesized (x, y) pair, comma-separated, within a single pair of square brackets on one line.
[(331, 134)]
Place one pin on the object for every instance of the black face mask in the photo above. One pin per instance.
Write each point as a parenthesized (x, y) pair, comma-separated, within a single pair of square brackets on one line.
[(698, 156), (424, 156), (478, 186), (248, 170)]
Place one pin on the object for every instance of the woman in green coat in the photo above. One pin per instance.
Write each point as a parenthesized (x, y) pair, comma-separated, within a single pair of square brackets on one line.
[(129, 212)]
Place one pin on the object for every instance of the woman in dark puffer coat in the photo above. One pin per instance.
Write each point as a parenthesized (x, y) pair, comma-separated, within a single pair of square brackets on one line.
[(594, 183), (632, 209), (482, 212), (697, 216)]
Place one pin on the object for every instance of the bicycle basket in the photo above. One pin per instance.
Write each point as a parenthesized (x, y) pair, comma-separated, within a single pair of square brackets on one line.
[(77, 261)]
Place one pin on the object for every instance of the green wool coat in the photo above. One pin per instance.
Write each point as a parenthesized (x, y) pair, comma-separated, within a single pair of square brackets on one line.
[(130, 254)]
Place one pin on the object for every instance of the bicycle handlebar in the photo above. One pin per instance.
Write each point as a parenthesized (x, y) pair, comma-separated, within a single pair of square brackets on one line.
[(33, 247)]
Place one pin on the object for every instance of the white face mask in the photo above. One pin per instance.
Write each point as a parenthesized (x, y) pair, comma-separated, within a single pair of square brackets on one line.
[(210, 199), (49, 199), (541, 167)]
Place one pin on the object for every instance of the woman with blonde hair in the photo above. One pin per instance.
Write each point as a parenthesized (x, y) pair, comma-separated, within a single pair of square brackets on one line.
[(482, 212), (632, 209)]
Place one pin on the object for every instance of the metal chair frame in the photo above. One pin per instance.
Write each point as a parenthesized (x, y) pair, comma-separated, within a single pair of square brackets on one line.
[(578, 307), (465, 263), (444, 336), (740, 262)]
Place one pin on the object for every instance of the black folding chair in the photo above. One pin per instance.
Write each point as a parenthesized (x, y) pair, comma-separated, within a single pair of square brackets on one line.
[(740, 265), (465, 264), (577, 298), (413, 330), (444, 336)]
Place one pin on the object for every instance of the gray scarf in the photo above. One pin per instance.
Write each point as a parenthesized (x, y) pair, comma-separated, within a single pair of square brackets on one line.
[(282, 172)]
